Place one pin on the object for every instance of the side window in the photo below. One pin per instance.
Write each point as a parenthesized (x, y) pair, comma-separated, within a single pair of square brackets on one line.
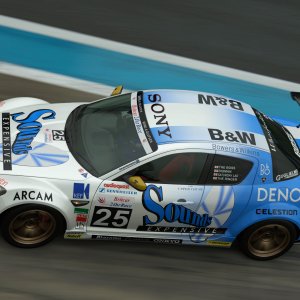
[(179, 168), (226, 170)]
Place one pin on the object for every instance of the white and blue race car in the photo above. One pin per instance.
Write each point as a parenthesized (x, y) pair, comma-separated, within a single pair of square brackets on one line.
[(163, 166)]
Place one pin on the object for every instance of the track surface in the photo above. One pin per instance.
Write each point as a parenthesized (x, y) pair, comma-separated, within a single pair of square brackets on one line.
[(260, 36), (112, 270)]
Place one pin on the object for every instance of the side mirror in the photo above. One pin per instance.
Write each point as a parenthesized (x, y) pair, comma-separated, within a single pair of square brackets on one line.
[(137, 182), (117, 91)]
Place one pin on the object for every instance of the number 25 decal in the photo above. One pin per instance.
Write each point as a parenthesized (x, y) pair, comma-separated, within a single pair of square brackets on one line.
[(58, 135), (111, 217)]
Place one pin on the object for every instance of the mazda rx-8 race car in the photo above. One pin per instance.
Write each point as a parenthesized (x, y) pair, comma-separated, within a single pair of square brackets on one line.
[(163, 166)]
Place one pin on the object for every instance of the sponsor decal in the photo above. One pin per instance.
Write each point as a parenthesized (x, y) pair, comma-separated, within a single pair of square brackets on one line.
[(48, 136), (190, 188), (261, 118), (234, 149), (80, 226), (159, 115), (28, 128), (202, 230), (3, 182), (145, 124), (136, 239), (278, 195), (81, 191), (121, 202), (6, 142), (292, 140), (136, 119), (264, 169), (101, 200), (81, 218), (219, 101), (287, 175), (236, 136), (58, 135), (219, 243), (276, 212), (78, 210), (171, 212), (122, 199), (33, 195), (141, 124), (75, 235), (130, 192), (218, 202), (83, 172), (122, 205), (116, 186), (102, 190), (111, 217)]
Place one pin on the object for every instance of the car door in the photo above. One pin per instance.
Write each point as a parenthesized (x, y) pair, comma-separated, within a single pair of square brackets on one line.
[(164, 210), (227, 191)]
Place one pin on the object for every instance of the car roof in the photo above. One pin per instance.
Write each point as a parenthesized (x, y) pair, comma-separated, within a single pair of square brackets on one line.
[(177, 116)]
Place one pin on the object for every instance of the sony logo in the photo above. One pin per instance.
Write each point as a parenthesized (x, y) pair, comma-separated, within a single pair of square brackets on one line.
[(160, 117)]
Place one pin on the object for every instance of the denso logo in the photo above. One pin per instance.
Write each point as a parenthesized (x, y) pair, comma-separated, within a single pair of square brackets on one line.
[(171, 212), (278, 195)]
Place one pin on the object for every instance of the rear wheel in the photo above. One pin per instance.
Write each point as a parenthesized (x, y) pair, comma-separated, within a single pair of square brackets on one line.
[(268, 240), (30, 226)]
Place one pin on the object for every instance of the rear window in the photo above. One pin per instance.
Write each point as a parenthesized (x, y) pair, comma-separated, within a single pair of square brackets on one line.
[(284, 150)]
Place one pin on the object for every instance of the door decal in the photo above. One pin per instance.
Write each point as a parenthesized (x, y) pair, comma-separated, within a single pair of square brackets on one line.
[(218, 202)]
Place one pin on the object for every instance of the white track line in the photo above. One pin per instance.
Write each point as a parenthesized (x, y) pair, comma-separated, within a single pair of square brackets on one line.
[(56, 79), (146, 53)]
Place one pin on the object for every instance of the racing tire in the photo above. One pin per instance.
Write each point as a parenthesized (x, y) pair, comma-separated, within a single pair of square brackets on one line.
[(30, 225), (268, 239)]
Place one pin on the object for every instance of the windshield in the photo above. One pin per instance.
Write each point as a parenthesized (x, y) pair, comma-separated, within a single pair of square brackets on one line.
[(284, 150), (102, 135)]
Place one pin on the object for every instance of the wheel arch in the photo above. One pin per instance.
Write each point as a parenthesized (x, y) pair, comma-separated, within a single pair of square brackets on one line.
[(38, 204), (257, 222)]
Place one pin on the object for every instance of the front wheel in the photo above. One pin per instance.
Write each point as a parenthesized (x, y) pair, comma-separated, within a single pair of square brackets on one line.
[(30, 226), (268, 239)]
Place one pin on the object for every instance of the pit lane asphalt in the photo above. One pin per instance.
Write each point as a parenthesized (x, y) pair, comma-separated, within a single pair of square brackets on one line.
[(78, 269)]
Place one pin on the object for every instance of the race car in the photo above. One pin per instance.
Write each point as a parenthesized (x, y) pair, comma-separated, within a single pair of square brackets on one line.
[(161, 166)]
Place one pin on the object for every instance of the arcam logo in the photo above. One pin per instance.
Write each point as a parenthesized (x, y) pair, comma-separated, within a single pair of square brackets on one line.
[(33, 195)]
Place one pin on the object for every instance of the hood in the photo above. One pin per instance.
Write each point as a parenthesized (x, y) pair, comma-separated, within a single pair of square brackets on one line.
[(33, 142)]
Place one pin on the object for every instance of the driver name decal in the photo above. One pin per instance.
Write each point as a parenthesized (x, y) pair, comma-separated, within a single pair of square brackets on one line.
[(29, 128)]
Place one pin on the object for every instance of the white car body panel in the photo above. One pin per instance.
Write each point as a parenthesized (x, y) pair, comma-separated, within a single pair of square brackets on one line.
[(49, 174)]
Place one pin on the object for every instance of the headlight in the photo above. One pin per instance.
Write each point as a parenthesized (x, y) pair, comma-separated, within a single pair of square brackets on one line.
[(2, 190)]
